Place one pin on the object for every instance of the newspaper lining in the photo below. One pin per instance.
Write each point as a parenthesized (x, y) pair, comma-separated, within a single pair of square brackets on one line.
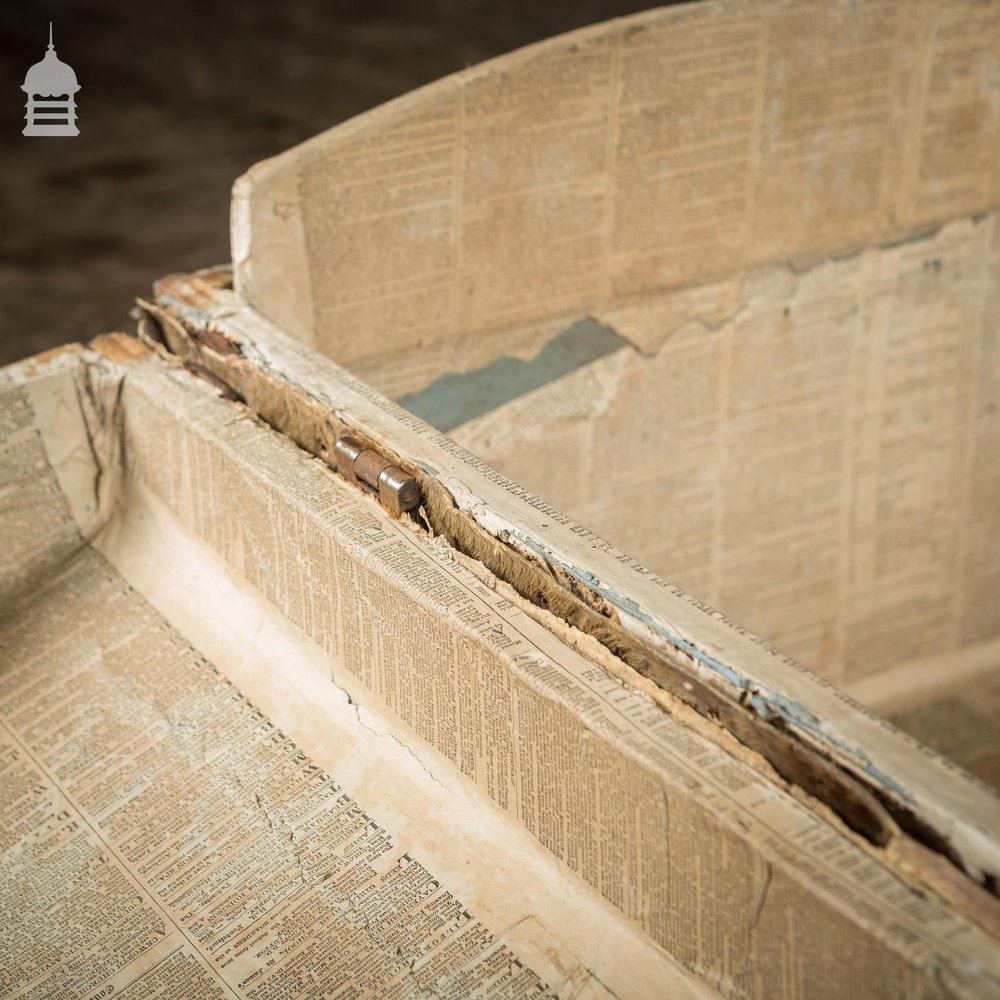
[(153, 793), (167, 838), (788, 210), (755, 854)]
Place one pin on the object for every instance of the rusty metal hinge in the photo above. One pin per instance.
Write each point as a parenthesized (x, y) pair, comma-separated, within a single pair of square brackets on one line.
[(396, 488)]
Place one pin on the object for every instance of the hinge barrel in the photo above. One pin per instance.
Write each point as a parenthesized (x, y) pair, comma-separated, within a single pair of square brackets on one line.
[(396, 488)]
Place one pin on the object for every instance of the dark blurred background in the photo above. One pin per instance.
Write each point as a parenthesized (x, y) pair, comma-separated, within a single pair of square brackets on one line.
[(178, 98)]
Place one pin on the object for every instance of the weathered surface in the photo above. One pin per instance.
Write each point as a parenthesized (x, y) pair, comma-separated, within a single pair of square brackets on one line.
[(786, 213), (654, 630)]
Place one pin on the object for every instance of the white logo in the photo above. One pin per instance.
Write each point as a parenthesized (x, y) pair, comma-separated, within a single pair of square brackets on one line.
[(51, 86)]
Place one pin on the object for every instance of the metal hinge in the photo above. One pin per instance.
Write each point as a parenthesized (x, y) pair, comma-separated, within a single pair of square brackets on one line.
[(396, 488)]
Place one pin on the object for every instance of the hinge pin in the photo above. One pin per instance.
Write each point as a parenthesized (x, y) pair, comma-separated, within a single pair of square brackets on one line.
[(396, 488)]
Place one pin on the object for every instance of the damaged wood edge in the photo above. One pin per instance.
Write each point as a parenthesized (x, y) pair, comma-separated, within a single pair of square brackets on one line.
[(924, 869), (214, 358), (793, 760), (312, 426)]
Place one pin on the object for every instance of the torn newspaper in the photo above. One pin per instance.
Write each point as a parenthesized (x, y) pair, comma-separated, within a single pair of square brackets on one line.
[(264, 738)]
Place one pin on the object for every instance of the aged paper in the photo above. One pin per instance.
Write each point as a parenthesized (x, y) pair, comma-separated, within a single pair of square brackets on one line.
[(644, 156), (819, 462), (719, 865), (260, 739), (170, 833), (272, 370), (787, 213)]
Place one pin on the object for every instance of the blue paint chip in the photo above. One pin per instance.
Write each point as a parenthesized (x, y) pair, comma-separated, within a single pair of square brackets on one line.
[(455, 398)]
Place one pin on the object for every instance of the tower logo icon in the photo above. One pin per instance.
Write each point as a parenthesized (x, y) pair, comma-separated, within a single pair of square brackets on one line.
[(51, 87)]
